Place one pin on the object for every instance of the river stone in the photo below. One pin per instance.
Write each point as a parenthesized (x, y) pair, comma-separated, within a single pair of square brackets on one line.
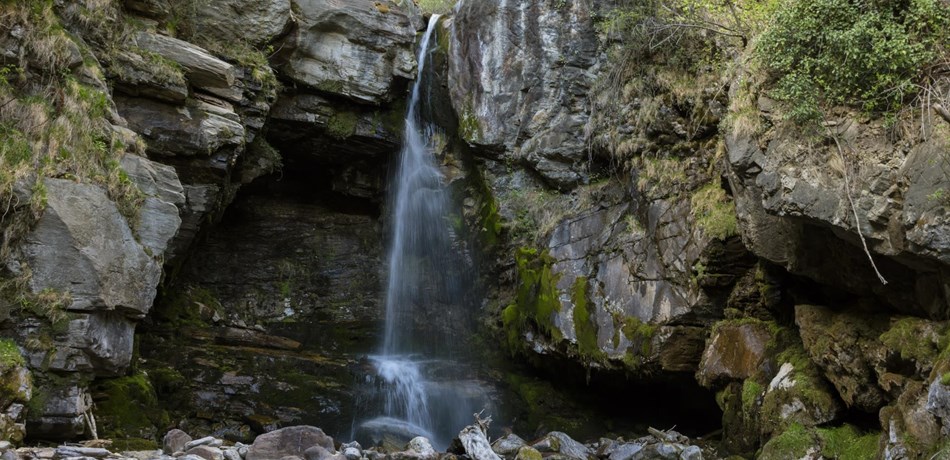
[(9, 455), (421, 446), (83, 246), (293, 440), (206, 452), (351, 49), (175, 441), (735, 352), (508, 445)]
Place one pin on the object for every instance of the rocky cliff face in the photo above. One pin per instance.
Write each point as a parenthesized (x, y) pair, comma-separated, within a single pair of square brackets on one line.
[(191, 96), (638, 220)]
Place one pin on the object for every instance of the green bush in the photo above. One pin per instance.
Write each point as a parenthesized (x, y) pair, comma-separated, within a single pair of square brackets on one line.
[(865, 53)]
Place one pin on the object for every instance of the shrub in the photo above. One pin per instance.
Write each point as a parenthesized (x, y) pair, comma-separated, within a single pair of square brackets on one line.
[(869, 54)]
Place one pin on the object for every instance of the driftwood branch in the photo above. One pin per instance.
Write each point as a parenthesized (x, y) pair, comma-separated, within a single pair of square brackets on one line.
[(942, 111)]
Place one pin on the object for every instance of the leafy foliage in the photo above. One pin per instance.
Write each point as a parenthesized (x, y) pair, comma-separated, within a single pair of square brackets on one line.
[(865, 53)]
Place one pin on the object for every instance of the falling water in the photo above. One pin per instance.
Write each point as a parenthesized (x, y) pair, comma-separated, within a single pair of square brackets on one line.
[(423, 272)]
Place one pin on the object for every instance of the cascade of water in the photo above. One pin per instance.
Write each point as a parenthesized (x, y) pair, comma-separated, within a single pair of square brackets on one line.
[(420, 274), (420, 241)]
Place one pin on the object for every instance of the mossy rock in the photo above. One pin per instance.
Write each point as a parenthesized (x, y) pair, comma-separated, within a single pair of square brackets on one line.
[(796, 441), (537, 299), (16, 383), (800, 395), (128, 408)]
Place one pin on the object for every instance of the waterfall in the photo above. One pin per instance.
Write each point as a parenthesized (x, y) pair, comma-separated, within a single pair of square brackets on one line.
[(423, 272)]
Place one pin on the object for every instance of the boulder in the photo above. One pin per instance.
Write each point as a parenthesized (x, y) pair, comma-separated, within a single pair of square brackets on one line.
[(293, 440), (175, 441), (354, 49), (83, 246), (561, 443), (910, 427), (206, 452), (61, 414), (797, 394), (938, 402), (508, 445), (735, 351)]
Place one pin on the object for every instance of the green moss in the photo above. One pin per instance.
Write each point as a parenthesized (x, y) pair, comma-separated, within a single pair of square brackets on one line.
[(129, 408), (848, 443), (491, 222), (751, 390), (10, 355), (640, 334), (584, 327), (342, 125), (794, 442), (536, 300), (714, 212), (810, 388), (909, 336), (945, 379)]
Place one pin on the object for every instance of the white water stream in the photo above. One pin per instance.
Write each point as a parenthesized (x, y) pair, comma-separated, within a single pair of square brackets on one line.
[(420, 274)]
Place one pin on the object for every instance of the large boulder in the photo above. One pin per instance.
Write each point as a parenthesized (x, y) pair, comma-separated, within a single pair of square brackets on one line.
[(293, 440), (355, 49), (735, 351), (82, 246), (525, 91)]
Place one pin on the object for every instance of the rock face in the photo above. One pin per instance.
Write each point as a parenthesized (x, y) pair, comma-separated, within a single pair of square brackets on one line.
[(277, 305), (257, 22), (526, 95), (788, 194), (354, 49)]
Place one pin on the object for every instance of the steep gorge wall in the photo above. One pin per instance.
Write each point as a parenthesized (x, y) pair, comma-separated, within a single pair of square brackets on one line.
[(610, 189), (183, 85), (603, 197)]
